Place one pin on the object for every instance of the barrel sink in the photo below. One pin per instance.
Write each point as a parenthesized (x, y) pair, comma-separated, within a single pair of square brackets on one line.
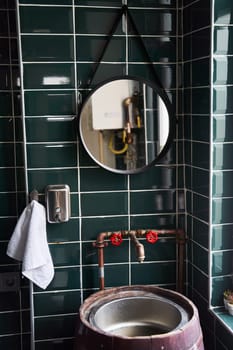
[(138, 318)]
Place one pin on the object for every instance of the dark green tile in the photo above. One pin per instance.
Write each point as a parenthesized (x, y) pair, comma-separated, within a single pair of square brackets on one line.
[(203, 133), (223, 40), (222, 211), (10, 323), (221, 103), (197, 16), (200, 72), (223, 72), (222, 184), (152, 25), (222, 159), (65, 278), (153, 273), (56, 303), (13, 342), (48, 76), (50, 129), (8, 204), (154, 178), (152, 3), (104, 180), (223, 11), (84, 159), (114, 203), (4, 50), (159, 49), (38, 19), (9, 301), (200, 181), (222, 237), (90, 277), (223, 334), (200, 233), (55, 327), (65, 254), (166, 73), (223, 128), (62, 344), (200, 154), (116, 275), (47, 2), (7, 179), (96, 20), (91, 227), (201, 207), (90, 48), (98, 2), (201, 100), (19, 137), (7, 227), (39, 179), (51, 155), (153, 221), (5, 104), (47, 48), (6, 129), (152, 202), (197, 44), (66, 232), (200, 258), (5, 79), (104, 71), (40, 103), (219, 284), (200, 283), (221, 263)]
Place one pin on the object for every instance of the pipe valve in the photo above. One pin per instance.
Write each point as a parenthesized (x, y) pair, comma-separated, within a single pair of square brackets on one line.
[(151, 237), (116, 239)]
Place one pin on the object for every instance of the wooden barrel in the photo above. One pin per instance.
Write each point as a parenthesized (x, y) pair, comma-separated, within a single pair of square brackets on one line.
[(186, 336)]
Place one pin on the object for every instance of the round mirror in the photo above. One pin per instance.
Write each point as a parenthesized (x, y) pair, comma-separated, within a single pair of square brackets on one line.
[(126, 124)]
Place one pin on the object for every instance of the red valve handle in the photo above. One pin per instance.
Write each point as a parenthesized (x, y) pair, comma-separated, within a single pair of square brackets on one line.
[(116, 239), (152, 237)]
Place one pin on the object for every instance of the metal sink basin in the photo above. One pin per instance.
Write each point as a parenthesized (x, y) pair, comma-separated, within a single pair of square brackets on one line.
[(138, 316)]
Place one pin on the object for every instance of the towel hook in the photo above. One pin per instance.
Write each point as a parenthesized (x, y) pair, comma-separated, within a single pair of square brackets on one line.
[(34, 195)]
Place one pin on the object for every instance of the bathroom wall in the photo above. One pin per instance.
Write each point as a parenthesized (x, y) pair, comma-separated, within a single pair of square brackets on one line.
[(207, 143), (59, 42), (196, 118), (14, 305)]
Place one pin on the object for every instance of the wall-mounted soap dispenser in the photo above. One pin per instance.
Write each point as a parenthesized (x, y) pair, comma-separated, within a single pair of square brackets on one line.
[(58, 203)]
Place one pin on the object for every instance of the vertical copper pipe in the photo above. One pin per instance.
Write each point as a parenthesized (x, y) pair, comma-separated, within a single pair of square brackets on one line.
[(100, 244)]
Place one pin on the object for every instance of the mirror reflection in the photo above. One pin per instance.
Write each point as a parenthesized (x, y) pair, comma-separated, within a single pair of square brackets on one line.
[(125, 125)]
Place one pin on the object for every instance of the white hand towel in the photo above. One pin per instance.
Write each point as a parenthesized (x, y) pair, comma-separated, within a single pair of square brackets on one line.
[(29, 245)]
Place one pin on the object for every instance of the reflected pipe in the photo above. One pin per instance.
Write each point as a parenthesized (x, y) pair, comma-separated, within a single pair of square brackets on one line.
[(181, 239)]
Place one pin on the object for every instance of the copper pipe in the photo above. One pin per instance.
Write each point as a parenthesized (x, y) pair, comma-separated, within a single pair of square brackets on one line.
[(140, 251), (134, 234), (100, 244)]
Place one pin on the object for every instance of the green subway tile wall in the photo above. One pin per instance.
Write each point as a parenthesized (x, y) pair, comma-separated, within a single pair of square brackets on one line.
[(222, 196), (58, 59), (59, 44), (14, 305)]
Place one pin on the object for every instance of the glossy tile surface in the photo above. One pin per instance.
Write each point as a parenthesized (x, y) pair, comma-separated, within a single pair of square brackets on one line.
[(38, 19), (54, 79)]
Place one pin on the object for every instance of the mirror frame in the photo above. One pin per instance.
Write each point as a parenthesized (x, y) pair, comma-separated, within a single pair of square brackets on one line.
[(172, 122)]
